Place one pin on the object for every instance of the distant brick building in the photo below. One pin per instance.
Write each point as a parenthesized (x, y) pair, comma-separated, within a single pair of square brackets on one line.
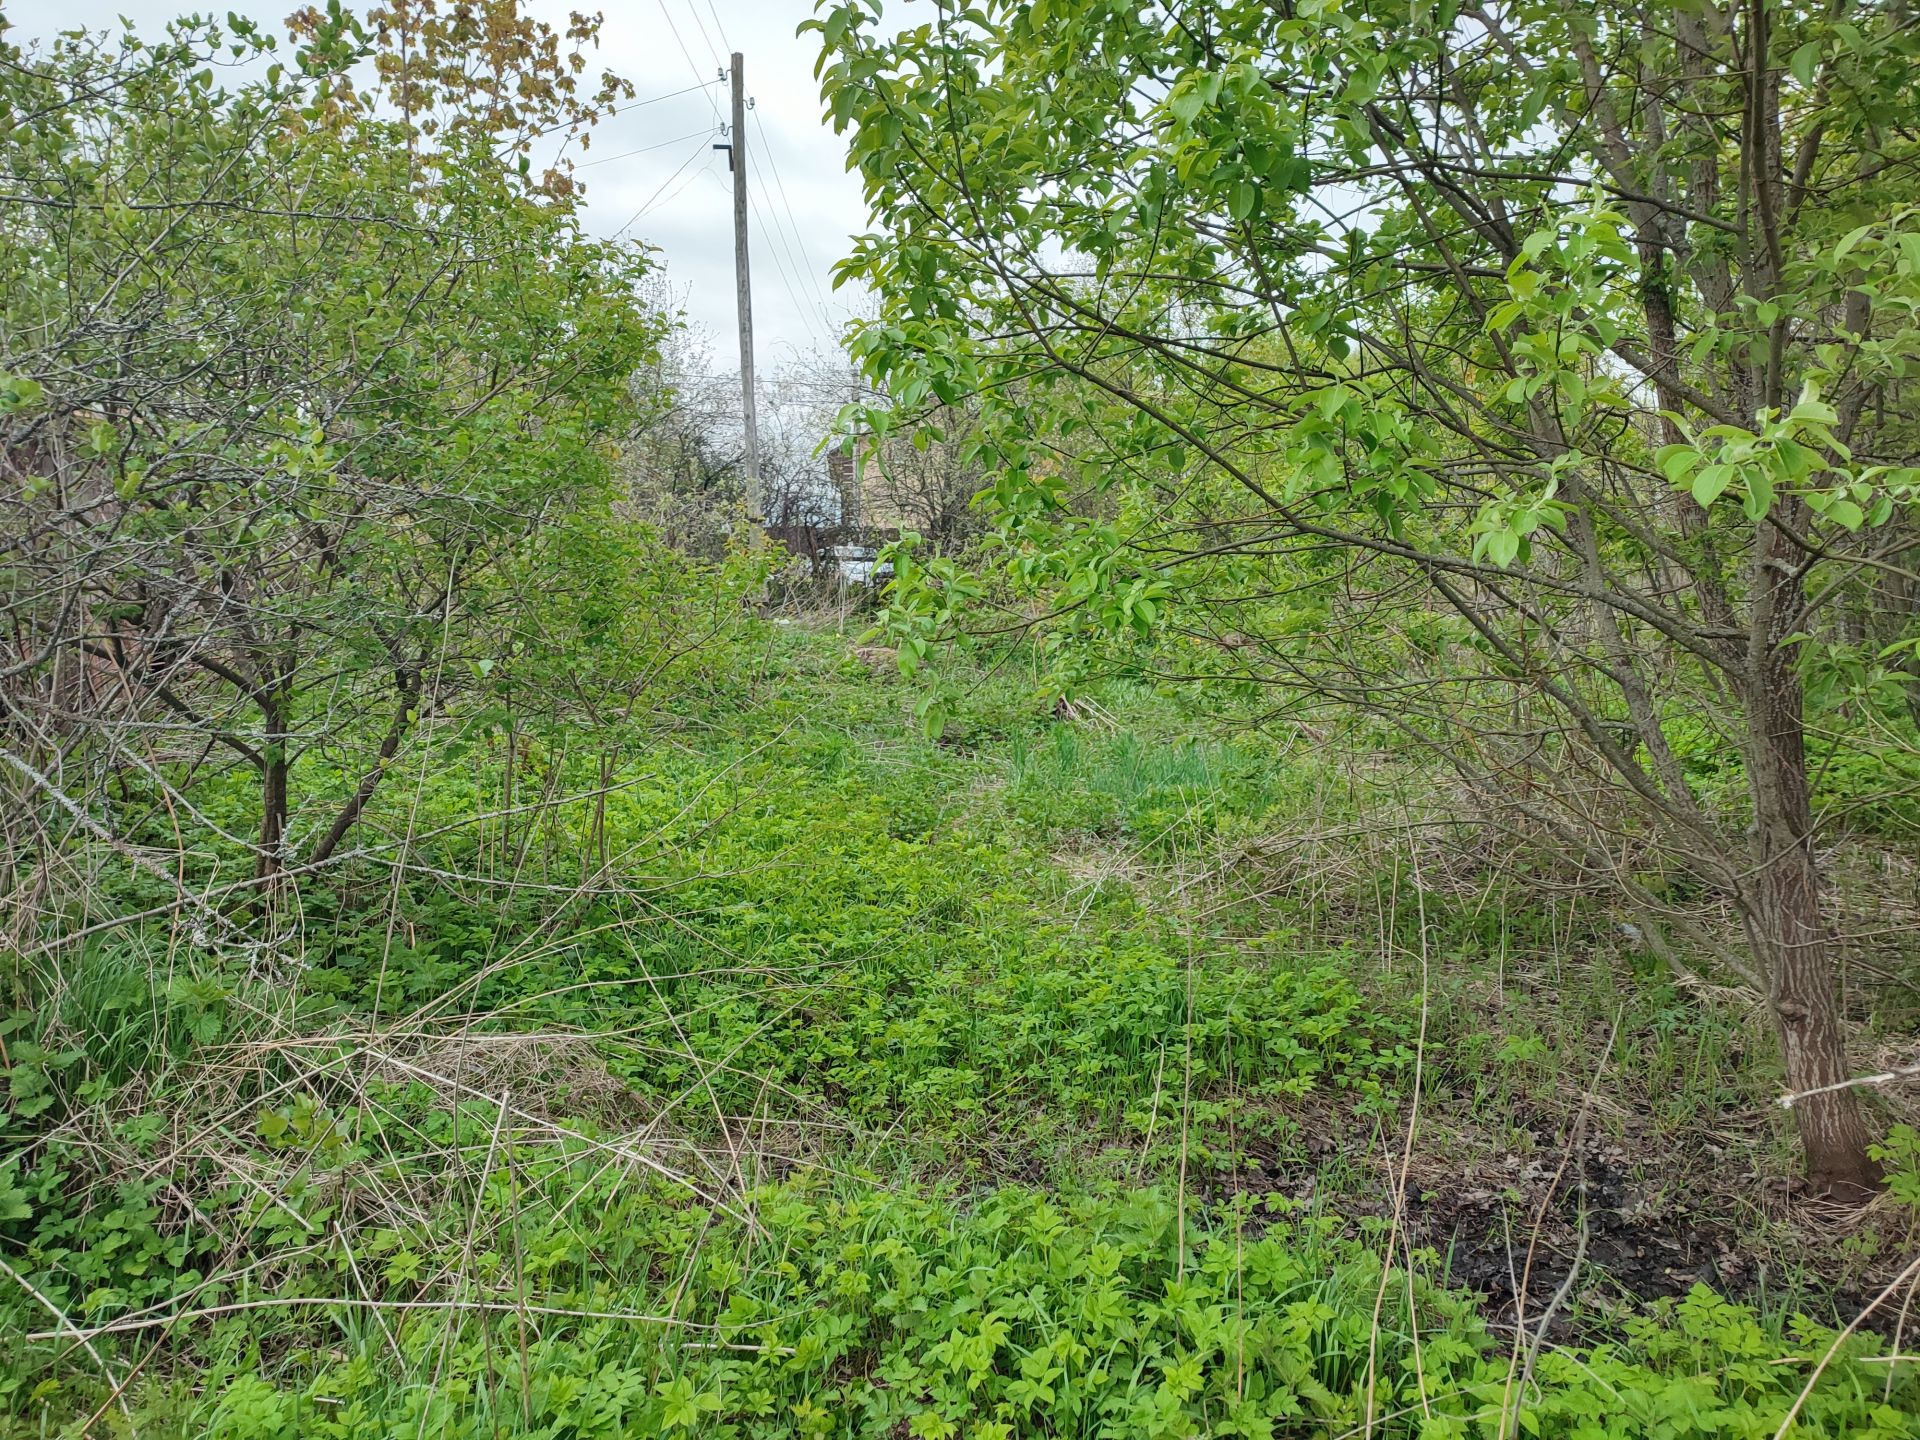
[(867, 502)]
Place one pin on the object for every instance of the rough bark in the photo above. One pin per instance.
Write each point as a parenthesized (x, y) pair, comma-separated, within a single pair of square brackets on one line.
[(272, 692), (268, 851), (1784, 914)]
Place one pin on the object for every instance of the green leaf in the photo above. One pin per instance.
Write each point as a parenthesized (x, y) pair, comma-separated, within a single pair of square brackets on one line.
[(1677, 461), (933, 715), (1804, 62), (1846, 514), (1812, 410), (1710, 484), (13, 1201), (1852, 238)]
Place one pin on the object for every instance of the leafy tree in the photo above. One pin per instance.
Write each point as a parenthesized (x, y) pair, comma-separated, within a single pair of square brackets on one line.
[(294, 372), (1530, 376)]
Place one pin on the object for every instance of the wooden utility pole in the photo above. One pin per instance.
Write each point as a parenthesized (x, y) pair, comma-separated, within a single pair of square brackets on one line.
[(743, 294)]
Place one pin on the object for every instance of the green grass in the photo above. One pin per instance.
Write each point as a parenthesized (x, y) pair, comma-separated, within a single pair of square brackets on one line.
[(974, 1061)]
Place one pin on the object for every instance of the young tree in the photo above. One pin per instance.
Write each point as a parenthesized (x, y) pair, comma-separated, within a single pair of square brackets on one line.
[(1554, 350), (292, 371)]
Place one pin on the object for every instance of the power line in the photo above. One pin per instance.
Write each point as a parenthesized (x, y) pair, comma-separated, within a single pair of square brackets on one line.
[(644, 149), (766, 148), (798, 251), (780, 264), (701, 26), (648, 204), (631, 105), (795, 254), (706, 169), (695, 69), (716, 24), (779, 235)]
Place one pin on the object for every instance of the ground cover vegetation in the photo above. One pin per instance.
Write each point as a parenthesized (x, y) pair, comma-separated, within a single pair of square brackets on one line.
[(473, 969)]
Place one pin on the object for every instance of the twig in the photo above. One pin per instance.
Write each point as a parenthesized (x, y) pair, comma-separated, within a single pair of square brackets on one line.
[(1838, 1341), (1885, 1077), (1406, 1167)]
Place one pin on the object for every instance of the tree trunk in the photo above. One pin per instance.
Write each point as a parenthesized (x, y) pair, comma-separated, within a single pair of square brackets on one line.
[(268, 858), (273, 693), (407, 684), (1784, 924)]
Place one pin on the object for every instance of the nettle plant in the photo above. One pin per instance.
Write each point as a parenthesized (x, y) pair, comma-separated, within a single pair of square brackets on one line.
[(1528, 379)]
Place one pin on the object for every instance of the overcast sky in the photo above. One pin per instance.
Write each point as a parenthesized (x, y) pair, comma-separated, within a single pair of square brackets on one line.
[(650, 172)]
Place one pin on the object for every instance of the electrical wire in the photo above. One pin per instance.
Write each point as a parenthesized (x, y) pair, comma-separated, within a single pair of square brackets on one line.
[(787, 258), (766, 148), (765, 204), (816, 313), (613, 110), (717, 25), (688, 54), (680, 189), (705, 38), (644, 149), (775, 254), (648, 204)]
